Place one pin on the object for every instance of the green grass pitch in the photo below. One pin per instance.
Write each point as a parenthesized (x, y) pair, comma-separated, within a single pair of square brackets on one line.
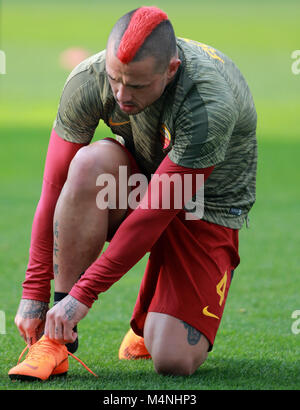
[(255, 347)]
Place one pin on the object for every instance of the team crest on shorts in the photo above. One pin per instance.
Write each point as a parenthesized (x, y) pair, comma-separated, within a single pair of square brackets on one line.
[(165, 136)]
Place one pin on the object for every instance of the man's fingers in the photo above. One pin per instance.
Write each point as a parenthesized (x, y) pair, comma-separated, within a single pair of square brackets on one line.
[(62, 318), (21, 331), (27, 333), (23, 334), (30, 320), (58, 331), (69, 335), (51, 325), (18, 323), (30, 337), (39, 331), (47, 325)]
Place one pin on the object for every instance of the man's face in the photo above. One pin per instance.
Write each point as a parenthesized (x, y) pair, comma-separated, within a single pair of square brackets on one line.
[(135, 85)]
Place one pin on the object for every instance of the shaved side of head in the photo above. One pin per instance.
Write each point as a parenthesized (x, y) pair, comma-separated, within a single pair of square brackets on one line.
[(144, 32)]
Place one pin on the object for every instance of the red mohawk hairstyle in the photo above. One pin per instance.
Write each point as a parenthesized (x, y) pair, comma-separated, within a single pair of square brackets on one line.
[(142, 23)]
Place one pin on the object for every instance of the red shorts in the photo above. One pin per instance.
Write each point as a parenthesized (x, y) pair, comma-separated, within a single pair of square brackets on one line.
[(188, 273)]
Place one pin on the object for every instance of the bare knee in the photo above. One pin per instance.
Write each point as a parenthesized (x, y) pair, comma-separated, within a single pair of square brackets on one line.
[(174, 364), (102, 157), (172, 352), (175, 359), (85, 167)]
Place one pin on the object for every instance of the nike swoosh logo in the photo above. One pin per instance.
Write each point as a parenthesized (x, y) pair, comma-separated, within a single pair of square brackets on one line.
[(116, 124), (31, 367), (207, 313)]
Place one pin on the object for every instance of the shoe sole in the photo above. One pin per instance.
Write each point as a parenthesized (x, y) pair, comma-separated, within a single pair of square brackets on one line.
[(60, 370), (24, 377)]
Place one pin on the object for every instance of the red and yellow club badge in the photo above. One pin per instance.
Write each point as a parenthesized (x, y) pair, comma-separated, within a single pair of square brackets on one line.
[(165, 136)]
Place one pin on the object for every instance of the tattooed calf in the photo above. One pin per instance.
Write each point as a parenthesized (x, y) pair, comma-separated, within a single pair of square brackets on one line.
[(55, 247), (55, 268)]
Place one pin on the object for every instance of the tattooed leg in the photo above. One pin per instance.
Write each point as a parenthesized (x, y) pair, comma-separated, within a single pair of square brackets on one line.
[(80, 228), (175, 347), (193, 335), (55, 269)]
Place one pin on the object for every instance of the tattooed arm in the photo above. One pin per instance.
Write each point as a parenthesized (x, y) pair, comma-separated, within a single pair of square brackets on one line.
[(30, 319), (39, 273)]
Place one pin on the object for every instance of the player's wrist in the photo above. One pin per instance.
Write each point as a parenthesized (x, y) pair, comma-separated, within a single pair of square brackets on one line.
[(33, 309)]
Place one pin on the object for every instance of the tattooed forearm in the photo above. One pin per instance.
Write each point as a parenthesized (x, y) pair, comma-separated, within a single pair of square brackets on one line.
[(70, 308), (193, 335), (33, 309)]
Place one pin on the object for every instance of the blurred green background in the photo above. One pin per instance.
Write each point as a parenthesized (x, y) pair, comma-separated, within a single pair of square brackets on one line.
[(255, 347), (258, 35)]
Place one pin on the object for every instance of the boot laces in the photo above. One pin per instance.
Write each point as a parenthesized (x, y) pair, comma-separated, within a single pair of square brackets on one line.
[(39, 351), (33, 353)]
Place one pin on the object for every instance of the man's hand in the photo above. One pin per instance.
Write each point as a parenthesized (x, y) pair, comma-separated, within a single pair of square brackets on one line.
[(63, 317), (30, 319)]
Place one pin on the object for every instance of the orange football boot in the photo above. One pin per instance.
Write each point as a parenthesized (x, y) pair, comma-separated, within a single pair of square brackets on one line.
[(45, 358), (133, 347)]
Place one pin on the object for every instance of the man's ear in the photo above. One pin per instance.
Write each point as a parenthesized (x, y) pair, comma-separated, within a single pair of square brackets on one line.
[(173, 67)]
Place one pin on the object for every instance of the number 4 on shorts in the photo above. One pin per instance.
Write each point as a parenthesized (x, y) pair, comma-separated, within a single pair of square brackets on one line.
[(221, 288)]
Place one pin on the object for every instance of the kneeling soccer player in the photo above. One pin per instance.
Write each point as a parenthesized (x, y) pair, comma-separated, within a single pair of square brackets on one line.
[(181, 110)]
